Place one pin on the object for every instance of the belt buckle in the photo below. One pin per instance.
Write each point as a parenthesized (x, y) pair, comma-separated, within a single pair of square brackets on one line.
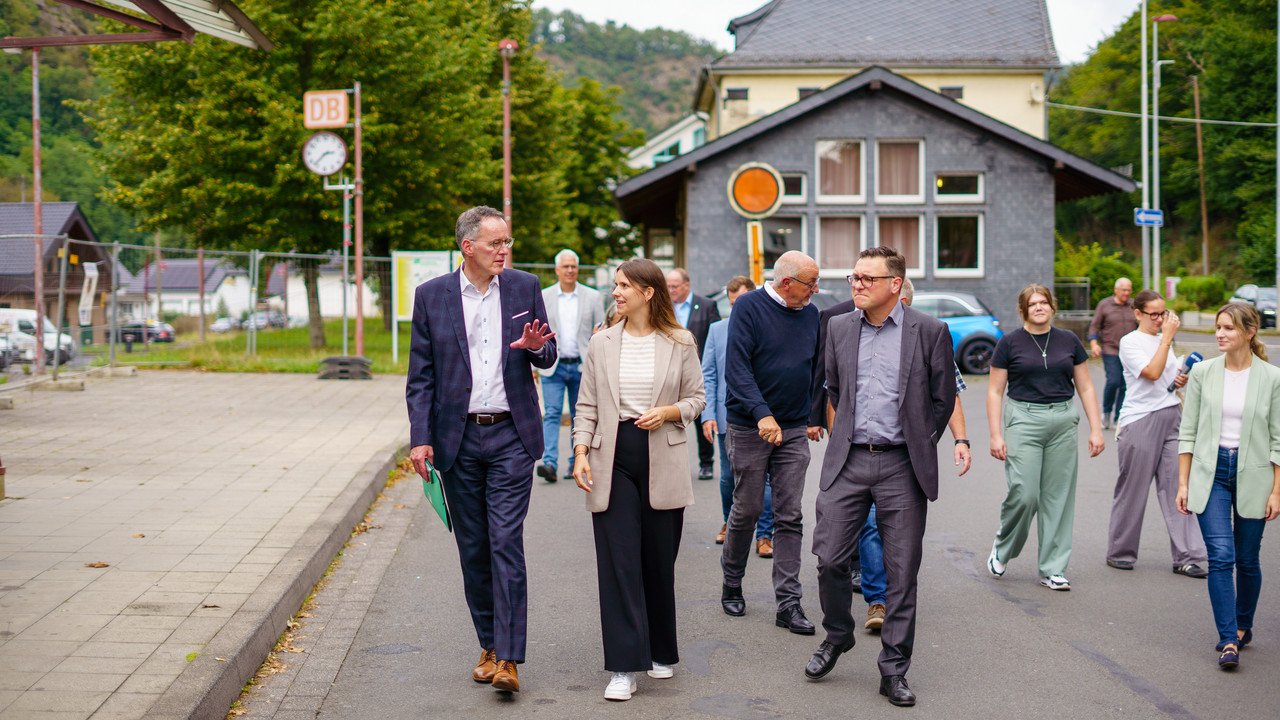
[(872, 448), (484, 418)]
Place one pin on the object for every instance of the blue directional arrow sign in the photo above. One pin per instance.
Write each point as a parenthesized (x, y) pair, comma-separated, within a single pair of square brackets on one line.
[(1148, 217)]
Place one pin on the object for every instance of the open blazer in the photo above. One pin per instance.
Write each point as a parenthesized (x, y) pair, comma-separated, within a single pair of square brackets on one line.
[(677, 380), (1259, 434)]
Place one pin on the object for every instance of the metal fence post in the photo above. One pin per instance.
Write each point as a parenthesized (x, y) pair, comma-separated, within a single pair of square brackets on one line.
[(113, 323), (62, 304)]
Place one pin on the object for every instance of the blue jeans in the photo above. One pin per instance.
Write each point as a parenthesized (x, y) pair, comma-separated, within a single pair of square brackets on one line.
[(1231, 548), (567, 377), (764, 526), (1113, 392), (871, 550)]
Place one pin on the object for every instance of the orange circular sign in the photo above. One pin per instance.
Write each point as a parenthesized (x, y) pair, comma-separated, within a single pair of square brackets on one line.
[(755, 190)]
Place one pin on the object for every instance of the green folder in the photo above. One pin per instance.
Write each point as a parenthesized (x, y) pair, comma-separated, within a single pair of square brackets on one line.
[(435, 493)]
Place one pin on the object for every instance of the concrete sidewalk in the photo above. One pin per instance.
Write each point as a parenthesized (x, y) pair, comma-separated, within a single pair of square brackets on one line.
[(213, 502)]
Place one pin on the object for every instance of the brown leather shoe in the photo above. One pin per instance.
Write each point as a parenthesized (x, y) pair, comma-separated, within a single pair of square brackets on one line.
[(764, 547), (875, 616), (505, 679), (720, 535), (487, 667)]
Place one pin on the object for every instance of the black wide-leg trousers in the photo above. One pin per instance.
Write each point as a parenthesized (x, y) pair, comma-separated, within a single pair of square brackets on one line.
[(636, 550)]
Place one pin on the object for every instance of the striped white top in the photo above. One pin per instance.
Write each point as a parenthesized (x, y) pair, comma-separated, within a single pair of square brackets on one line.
[(635, 375)]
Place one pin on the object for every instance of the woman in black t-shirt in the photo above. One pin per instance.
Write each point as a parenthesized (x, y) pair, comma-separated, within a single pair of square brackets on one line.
[(1043, 367)]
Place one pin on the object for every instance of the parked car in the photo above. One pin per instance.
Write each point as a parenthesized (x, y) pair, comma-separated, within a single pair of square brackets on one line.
[(133, 332), (266, 318), (821, 300), (974, 330), (1262, 298), (224, 324), (23, 321)]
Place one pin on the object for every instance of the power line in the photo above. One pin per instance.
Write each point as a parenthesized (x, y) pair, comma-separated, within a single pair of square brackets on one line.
[(1100, 111)]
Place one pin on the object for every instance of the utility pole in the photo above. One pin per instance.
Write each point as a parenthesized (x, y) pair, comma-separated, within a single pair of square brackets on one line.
[(507, 49), (38, 219), (1204, 207), (359, 192)]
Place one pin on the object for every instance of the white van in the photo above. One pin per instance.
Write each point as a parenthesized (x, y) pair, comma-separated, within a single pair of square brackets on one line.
[(24, 321)]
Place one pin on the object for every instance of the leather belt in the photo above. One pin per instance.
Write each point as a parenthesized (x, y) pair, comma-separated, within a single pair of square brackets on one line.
[(879, 448), (488, 418), (570, 361)]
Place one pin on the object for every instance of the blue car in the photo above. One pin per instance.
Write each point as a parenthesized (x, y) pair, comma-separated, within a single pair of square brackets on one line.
[(974, 330)]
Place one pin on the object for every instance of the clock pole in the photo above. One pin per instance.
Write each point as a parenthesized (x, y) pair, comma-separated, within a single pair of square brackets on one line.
[(359, 250)]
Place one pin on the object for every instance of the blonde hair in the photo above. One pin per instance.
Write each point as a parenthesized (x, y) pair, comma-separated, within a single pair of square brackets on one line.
[(1245, 317)]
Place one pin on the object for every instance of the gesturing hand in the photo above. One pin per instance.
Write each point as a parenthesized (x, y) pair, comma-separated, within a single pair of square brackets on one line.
[(535, 335)]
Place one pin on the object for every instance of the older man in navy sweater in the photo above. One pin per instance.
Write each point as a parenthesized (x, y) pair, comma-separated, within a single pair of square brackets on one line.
[(773, 345)]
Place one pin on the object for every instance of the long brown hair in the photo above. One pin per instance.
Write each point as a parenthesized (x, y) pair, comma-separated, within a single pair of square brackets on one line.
[(643, 274), (1245, 317), (1024, 299)]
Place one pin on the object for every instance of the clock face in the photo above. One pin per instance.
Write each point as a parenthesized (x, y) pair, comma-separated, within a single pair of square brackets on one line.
[(324, 153)]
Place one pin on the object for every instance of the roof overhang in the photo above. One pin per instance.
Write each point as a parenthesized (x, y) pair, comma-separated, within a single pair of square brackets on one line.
[(1074, 176), (159, 21)]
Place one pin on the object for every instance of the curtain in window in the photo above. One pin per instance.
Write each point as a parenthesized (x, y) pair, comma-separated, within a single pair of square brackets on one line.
[(899, 168), (902, 234), (839, 163), (958, 243), (841, 242)]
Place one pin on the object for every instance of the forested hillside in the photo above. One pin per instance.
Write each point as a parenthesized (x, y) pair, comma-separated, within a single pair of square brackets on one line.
[(1230, 45), (656, 69)]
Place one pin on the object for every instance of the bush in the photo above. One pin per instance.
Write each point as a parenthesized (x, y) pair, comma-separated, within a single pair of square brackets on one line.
[(1091, 261), (1203, 291)]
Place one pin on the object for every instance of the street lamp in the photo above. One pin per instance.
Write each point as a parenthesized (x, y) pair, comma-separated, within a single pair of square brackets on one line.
[(1156, 63), (507, 49), (1146, 147)]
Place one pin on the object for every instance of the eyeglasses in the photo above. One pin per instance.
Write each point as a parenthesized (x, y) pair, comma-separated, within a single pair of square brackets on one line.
[(497, 245), (813, 286), (866, 280), (1156, 315)]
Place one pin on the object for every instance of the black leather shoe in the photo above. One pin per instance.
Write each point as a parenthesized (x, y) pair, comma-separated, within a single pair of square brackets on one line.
[(546, 472), (732, 601), (895, 688), (793, 619), (825, 659), (857, 581)]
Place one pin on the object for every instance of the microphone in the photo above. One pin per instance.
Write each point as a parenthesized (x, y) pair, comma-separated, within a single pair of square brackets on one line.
[(1192, 359)]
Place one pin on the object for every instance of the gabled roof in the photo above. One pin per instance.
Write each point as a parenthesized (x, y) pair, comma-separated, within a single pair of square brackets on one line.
[(60, 218), (1074, 177), (669, 134), (894, 33), (180, 275)]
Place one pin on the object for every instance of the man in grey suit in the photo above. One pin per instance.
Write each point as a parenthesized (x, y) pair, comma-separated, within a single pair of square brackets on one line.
[(574, 311), (891, 382)]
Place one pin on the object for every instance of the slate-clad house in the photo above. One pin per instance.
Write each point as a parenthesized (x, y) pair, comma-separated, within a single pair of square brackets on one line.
[(874, 160), (17, 258)]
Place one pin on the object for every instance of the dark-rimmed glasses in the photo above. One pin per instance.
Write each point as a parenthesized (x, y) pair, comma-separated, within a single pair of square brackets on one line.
[(1155, 315), (866, 280)]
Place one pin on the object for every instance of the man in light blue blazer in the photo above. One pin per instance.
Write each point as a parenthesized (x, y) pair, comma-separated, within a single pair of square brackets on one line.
[(574, 312), (715, 424)]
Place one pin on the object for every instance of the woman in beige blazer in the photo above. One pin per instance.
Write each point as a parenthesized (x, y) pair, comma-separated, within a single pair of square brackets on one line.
[(1229, 469), (641, 387)]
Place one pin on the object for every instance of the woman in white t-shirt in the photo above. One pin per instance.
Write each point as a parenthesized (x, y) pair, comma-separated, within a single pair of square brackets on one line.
[(1228, 444), (1147, 441)]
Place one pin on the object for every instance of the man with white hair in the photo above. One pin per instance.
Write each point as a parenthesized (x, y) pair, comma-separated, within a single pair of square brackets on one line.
[(773, 345), (574, 311)]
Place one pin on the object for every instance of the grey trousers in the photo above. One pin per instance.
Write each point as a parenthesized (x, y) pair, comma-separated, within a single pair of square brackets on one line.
[(887, 481), (753, 458), (1148, 447)]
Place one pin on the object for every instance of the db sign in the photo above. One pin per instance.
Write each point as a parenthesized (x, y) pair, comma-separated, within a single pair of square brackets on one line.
[(324, 108)]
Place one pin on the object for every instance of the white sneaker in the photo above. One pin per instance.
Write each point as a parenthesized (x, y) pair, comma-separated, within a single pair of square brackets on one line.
[(661, 672), (994, 566), (620, 687), (1055, 582)]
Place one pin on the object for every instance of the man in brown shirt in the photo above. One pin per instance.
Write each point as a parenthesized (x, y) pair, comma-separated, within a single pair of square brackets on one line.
[(1113, 320)]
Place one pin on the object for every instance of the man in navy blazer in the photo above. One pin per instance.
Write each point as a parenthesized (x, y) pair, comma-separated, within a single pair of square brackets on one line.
[(473, 413), (696, 314)]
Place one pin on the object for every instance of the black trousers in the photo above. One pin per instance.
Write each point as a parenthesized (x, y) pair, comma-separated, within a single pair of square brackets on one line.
[(636, 550), (706, 451)]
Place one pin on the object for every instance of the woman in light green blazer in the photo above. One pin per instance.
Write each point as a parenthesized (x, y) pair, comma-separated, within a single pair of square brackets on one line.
[(1229, 469)]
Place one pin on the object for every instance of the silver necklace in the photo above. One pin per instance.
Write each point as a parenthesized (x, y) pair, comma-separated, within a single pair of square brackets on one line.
[(1044, 351)]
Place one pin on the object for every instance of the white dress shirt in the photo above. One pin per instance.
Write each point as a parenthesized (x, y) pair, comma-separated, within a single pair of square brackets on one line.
[(567, 318), (482, 315)]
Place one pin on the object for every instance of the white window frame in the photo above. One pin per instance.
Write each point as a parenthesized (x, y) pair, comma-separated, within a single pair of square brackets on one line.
[(858, 199), (978, 272), (803, 197), (830, 273), (941, 199), (912, 272), (917, 199)]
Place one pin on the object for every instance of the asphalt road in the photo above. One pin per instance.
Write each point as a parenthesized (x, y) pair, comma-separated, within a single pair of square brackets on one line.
[(1119, 645)]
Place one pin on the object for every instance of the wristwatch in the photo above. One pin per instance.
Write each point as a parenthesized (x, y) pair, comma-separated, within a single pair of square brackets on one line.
[(963, 442)]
